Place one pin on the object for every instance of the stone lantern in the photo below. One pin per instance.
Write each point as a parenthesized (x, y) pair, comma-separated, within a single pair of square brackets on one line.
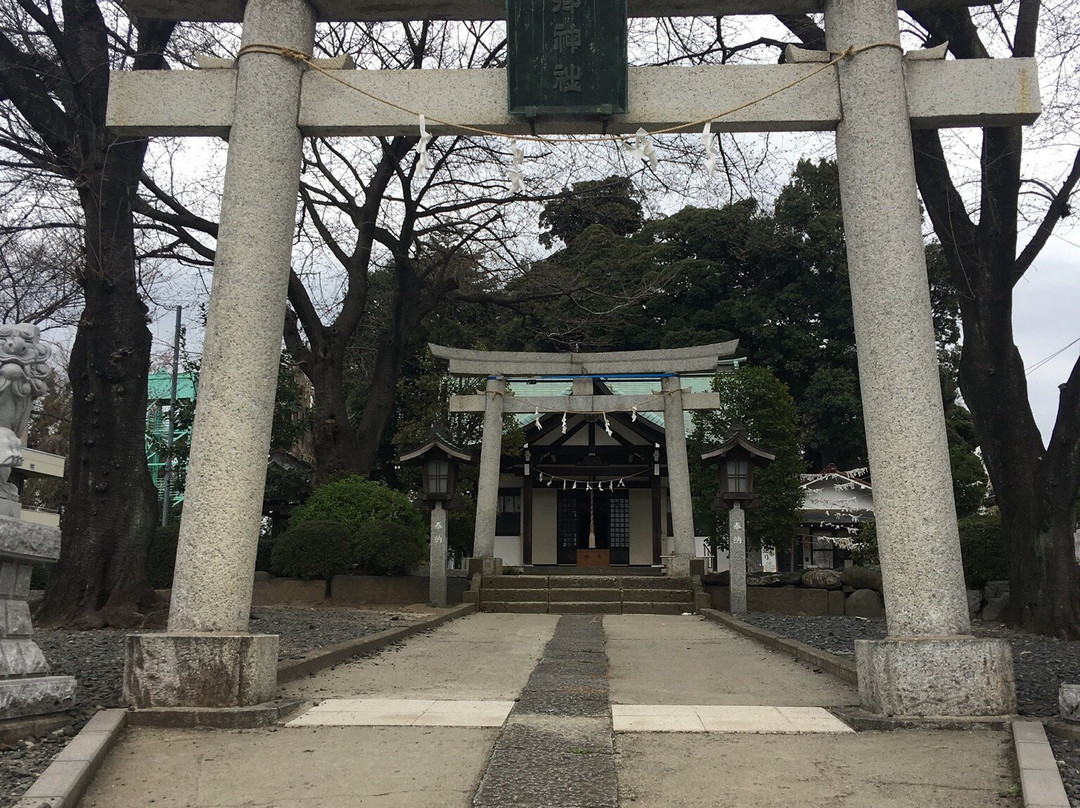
[(438, 459), (737, 458)]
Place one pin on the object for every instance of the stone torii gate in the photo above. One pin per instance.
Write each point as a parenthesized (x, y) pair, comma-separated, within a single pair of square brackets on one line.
[(929, 664), (672, 400)]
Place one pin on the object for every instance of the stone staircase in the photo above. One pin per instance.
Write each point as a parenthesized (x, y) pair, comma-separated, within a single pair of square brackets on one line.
[(586, 594)]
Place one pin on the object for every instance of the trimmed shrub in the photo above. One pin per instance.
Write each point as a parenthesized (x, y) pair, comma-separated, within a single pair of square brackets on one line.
[(352, 501), (380, 522), (388, 548), (983, 549), (161, 556), (319, 549)]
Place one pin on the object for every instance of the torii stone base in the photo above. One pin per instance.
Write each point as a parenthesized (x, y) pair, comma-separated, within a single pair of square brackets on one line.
[(219, 669), (940, 676)]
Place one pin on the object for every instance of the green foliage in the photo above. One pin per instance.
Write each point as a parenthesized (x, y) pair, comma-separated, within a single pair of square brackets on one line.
[(865, 551), (982, 547), (356, 503), (316, 549), (763, 403), (388, 548), (608, 202), (161, 556)]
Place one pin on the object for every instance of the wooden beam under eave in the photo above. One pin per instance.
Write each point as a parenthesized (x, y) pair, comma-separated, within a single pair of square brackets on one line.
[(375, 10)]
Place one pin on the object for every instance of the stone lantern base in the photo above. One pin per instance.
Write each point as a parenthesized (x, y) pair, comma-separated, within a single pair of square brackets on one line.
[(26, 689)]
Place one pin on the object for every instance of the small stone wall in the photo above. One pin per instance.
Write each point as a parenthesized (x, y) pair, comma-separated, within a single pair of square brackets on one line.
[(353, 590), (855, 592)]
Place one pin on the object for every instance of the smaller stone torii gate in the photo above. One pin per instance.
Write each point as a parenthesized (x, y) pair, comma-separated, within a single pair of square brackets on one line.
[(867, 91), (672, 400)]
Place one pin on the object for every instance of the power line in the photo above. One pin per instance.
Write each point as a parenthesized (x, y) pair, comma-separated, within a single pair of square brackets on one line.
[(1055, 354)]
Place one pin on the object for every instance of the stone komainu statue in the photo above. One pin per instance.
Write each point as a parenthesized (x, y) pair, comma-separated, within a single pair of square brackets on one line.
[(24, 370)]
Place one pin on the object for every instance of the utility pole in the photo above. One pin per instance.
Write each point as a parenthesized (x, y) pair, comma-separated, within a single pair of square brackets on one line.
[(172, 420)]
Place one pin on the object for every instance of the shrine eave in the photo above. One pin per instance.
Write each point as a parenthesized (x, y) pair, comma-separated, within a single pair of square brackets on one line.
[(346, 10)]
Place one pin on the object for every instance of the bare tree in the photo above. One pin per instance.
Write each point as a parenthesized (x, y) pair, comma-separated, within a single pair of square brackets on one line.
[(54, 79), (1035, 484)]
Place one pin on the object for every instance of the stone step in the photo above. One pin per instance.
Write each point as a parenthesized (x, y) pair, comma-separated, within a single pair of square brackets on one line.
[(592, 607), (584, 582), (647, 582), (502, 594), (655, 607), (515, 581), (659, 595), (518, 607), (583, 595)]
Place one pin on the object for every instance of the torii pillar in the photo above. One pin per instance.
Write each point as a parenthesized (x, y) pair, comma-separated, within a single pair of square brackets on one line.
[(207, 658), (929, 664)]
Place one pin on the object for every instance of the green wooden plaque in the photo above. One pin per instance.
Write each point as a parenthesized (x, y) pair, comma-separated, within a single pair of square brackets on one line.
[(566, 57)]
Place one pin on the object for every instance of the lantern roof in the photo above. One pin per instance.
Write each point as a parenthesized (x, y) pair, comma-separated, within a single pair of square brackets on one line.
[(738, 440), (437, 438)]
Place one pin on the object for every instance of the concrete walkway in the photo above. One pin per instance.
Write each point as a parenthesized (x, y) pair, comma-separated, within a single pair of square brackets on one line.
[(479, 666)]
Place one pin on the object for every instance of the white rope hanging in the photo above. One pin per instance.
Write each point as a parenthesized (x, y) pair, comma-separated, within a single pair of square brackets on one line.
[(423, 159)]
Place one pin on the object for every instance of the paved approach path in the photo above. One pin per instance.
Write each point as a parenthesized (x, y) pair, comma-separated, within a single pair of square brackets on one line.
[(451, 717)]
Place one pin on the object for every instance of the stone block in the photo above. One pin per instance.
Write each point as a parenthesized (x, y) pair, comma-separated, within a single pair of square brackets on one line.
[(20, 656), (14, 618), (27, 541), (10, 508), (1069, 702), (485, 566), (865, 603), (36, 695), (200, 670), (941, 676), (287, 590), (388, 589), (837, 602), (788, 600), (15, 579)]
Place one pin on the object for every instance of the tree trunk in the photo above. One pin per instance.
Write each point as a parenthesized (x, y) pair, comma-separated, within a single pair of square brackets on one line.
[(108, 521), (336, 444)]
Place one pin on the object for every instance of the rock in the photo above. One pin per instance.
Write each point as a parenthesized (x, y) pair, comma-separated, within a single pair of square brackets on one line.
[(765, 579), (793, 578), (975, 600), (822, 579), (865, 603), (1069, 702), (717, 578), (862, 578), (995, 607), (994, 589)]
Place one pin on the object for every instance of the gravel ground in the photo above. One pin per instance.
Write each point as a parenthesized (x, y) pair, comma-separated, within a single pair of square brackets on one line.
[(96, 659), (1041, 664)]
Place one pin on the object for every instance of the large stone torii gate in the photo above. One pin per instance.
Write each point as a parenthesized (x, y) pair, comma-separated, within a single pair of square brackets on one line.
[(929, 664)]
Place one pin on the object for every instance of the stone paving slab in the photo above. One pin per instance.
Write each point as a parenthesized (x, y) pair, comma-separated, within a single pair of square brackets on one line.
[(898, 769), (405, 712), (656, 659), (724, 718), (327, 767)]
